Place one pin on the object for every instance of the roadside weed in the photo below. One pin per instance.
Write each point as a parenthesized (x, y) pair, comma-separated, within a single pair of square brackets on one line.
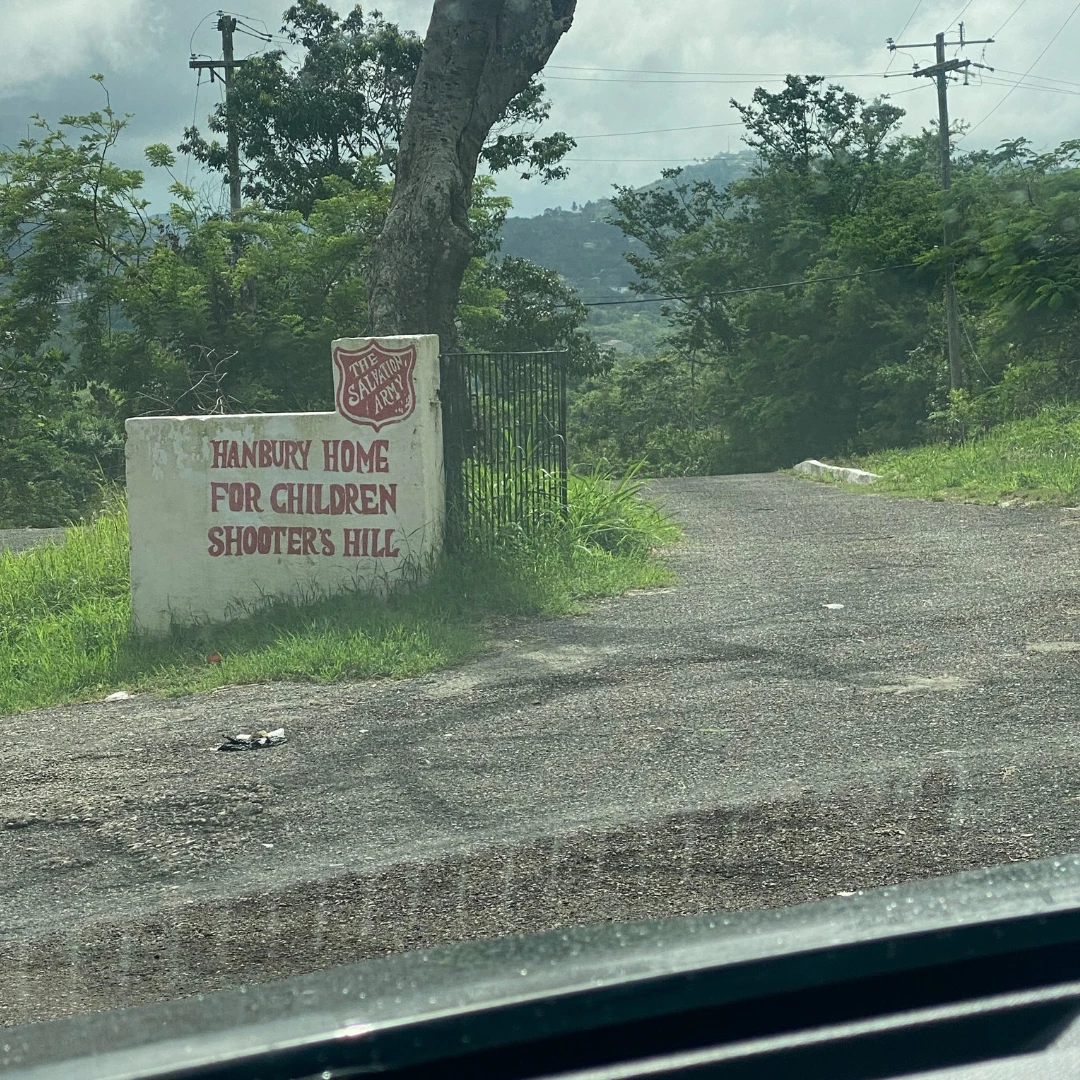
[(65, 616), (606, 511), (1033, 461)]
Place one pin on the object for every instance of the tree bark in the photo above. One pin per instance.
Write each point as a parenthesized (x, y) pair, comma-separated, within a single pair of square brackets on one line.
[(478, 56)]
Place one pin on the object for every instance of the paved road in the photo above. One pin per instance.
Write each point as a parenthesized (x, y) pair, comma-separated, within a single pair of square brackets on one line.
[(23, 539), (844, 690)]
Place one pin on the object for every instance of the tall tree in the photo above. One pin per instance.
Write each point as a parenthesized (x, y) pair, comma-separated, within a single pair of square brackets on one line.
[(339, 112), (799, 309), (479, 55), (336, 113)]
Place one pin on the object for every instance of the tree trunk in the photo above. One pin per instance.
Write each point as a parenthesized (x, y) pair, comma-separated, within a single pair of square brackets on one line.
[(478, 56)]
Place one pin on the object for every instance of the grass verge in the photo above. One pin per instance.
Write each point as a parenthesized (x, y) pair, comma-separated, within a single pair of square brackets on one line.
[(1035, 461), (65, 634)]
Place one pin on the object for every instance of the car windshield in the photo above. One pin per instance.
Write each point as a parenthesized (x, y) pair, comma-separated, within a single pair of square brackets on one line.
[(469, 469)]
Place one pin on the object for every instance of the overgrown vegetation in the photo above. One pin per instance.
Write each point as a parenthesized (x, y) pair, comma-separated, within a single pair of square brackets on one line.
[(1033, 461), (809, 321), (65, 632), (108, 310), (608, 512), (804, 319)]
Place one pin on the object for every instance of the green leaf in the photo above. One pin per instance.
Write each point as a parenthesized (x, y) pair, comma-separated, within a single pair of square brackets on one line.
[(160, 155)]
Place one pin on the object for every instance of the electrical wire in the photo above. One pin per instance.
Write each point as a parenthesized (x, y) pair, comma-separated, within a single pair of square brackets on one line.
[(655, 131), (974, 353), (751, 288), (611, 160), (253, 34), (724, 74), (1041, 78), (1029, 86), (924, 85), (1025, 75), (1009, 19), (662, 82), (194, 113), (262, 35), (264, 32), (255, 18), (720, 80), (960, 16), (901, 34), (191, 40)]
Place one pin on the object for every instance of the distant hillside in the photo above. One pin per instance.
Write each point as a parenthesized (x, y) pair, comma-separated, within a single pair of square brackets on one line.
[(583, 248)]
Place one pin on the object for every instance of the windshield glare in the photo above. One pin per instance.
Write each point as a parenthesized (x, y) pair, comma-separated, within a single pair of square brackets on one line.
[(623, 468)]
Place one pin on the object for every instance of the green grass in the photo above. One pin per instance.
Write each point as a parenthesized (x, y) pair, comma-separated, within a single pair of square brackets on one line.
[(65, 634), (608, 512), (1035, 461)]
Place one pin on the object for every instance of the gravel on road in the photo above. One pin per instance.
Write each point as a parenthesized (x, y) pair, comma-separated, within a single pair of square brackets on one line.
[(842, 691)]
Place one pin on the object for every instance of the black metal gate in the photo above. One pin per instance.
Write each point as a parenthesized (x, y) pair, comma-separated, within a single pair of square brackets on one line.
[(504, 444)]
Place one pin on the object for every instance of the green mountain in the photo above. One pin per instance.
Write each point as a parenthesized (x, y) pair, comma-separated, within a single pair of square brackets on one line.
[(584, 248), (588, 252)]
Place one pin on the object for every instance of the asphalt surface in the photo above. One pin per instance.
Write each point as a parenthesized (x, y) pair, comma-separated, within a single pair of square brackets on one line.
[(21, 539), (844, 690)]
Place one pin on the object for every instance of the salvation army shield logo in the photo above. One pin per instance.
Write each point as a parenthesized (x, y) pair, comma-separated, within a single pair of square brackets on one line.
[(375, 385)]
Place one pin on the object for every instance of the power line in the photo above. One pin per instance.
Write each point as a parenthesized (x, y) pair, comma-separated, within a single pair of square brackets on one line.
[(194, 114), (750, 288), (253, 34), (242, 15), (902, 31), (724, 74), (1029, 86), (191, 40), (1041, 78), (611, 160), (909, 90), (240, 18), (663, 82), (1009, 19), (663, 71), (1025, 75), (262, 35), (262, 22), (960, 16), (720, 80), (656, 131)]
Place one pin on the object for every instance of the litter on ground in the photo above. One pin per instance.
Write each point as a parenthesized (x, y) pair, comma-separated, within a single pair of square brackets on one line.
[(254, 741)]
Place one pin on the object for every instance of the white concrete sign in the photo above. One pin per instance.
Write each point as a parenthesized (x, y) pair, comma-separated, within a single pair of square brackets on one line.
[(225, 511)]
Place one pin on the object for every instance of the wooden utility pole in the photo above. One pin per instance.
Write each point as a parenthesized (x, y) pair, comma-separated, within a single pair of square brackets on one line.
[(940, 72), (227, 24)]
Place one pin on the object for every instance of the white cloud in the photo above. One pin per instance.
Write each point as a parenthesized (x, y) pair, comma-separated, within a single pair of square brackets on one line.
[(830, 37), (142, 47), (49, 38)]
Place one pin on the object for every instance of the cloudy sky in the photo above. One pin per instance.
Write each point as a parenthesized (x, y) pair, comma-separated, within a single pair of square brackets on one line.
[(625, 66)]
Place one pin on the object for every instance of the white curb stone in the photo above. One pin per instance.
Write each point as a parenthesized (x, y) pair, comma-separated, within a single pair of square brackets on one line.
[(849, 476)]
